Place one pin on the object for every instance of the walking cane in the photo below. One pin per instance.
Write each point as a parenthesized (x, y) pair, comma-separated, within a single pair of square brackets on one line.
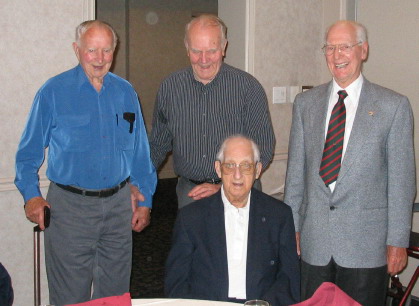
[(36, 256)]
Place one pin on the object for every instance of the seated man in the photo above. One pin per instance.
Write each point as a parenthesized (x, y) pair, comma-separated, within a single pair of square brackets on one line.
[(238, 244)]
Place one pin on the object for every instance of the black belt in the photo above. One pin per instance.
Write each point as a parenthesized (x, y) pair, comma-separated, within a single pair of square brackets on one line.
[(104, 193), (210, 181)]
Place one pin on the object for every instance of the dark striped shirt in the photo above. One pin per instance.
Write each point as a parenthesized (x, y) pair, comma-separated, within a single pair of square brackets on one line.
[(192, 119)]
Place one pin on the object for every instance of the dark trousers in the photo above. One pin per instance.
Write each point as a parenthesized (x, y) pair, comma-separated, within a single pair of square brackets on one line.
[(367, 286)]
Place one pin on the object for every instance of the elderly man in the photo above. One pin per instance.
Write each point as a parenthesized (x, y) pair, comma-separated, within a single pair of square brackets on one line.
[(237, 244), (91, 121), (198, 107), (351, 175)]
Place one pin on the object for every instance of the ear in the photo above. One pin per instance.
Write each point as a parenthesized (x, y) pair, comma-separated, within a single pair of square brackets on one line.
[(76, 50), (217, 165), (224, 48), (258, 169), (364, 50)]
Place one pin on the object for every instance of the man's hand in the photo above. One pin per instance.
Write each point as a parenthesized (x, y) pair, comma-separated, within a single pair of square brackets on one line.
[(204, 190), (140, 214), (140, 218), (396, 259), (297, 240), (34, 210)]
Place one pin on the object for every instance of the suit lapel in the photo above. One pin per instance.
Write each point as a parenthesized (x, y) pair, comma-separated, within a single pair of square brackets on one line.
[(361, 128), (318, 114), (257, 230)]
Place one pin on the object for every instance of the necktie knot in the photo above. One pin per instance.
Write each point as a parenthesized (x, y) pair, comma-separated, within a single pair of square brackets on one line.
[(342, 94)]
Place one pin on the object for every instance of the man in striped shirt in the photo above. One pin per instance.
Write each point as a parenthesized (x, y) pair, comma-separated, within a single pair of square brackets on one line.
[(199, 106)]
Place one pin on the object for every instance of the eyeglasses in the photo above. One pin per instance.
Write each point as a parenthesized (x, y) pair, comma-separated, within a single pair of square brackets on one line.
[(343, 48), (244, 168)]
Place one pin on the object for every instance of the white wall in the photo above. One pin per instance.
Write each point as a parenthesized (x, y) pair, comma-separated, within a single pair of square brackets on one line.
[(36, 45)]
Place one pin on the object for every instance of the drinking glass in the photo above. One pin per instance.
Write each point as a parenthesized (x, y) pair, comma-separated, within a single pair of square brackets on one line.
[(256, 303)]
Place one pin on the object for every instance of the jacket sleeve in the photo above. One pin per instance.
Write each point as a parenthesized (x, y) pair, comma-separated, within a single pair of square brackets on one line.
[(295, 182), (179, 261), (401, 175)]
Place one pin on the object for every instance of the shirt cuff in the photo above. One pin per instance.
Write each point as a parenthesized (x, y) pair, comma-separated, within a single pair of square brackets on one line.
[(148, 202), (31, 192)]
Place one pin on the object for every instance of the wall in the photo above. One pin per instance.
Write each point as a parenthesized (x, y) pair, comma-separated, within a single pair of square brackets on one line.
[(36, 45), (287, 52), (235, 14)]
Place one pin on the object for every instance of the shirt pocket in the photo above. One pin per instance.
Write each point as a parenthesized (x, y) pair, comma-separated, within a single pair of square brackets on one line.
[(124, 139), (74, 133)]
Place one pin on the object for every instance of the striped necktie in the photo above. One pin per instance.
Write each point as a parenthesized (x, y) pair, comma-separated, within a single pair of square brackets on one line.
[(333, 146)]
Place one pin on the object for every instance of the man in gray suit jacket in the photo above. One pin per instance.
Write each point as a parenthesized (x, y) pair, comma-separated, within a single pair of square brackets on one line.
[(351, 175)]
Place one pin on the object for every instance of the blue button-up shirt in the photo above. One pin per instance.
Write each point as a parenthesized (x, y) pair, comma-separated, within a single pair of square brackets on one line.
[(90, 144)]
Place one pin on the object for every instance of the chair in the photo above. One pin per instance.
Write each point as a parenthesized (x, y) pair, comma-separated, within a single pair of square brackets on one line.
[(396, 291)]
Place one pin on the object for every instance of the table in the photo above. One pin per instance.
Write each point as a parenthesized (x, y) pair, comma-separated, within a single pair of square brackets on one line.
[(179, 302)]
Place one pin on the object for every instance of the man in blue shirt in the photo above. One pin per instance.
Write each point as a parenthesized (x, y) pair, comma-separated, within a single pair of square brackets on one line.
[(98, 163)]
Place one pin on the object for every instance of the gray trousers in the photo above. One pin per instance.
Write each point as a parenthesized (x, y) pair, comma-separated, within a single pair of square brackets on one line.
[(89, 241), (184, 186)]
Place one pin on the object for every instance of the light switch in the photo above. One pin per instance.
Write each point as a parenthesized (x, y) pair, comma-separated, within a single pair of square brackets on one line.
[(279, 95)]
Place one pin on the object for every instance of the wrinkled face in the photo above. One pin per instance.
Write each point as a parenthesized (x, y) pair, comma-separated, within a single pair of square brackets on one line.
[(95, 53), (237, 184), (205, 51), (345, 68)]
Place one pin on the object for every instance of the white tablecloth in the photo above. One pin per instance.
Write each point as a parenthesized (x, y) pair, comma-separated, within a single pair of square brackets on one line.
[(179, 302)]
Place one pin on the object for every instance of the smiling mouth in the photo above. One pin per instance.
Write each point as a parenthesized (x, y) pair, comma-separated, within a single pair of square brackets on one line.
[(343, 65)]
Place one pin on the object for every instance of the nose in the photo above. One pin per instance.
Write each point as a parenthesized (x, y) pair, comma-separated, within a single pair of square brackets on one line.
[(100, 56), (337, 53), (237, 173), (204, 58)]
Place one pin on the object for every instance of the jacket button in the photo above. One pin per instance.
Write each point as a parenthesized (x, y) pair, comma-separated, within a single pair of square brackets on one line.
[(332, 208), (272, 262)]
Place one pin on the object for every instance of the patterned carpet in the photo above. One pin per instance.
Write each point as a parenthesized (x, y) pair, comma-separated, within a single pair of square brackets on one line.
[(150, 247)]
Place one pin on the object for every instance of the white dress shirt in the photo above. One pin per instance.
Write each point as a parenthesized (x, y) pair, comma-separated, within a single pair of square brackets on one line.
[(236, 222), (351, 105)]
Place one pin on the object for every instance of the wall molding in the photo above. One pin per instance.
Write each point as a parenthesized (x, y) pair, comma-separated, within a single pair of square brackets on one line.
[(280, 155), (88, 10)]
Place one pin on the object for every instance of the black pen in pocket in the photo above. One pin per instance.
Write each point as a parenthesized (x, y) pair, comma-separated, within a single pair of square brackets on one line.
[(117, 121)]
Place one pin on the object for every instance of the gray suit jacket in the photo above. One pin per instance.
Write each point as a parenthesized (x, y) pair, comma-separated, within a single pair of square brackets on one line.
[(371, 205)]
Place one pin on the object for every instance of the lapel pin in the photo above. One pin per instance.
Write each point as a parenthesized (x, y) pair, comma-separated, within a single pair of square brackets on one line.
[(371, 113)]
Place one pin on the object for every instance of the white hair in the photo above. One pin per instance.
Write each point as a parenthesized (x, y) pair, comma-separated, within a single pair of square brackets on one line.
[(255, 148), (361, 30), (84, 26)]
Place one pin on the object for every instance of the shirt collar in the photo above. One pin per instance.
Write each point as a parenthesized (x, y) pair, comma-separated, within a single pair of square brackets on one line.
[(228, 207), (82, 79), (353, 90), (213, 81)]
